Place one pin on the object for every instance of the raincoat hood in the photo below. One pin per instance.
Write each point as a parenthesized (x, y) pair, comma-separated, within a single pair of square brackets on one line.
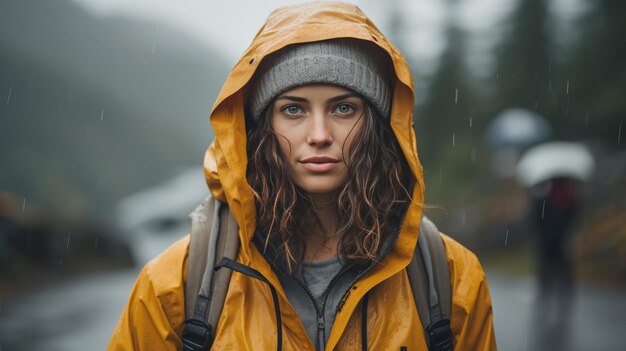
[(226, 160)]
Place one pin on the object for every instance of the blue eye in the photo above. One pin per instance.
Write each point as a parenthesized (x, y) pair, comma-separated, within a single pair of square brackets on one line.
[(344, 109), (292, 110)]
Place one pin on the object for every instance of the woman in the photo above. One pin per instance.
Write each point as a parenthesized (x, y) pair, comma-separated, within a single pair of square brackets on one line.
[(315, 155)]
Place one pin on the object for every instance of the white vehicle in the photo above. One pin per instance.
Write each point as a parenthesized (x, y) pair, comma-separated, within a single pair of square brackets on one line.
[(154, 218)]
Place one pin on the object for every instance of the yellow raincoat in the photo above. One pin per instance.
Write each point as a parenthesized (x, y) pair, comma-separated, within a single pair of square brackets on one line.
[(154, 316)]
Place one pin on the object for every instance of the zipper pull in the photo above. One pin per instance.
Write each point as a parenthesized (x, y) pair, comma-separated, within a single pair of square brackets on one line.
[(320, 321)]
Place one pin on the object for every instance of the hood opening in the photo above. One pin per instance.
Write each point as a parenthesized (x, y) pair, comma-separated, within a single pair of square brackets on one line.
[(226, 158)]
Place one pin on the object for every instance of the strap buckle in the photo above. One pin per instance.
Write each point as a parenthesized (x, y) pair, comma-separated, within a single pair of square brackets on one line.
[(197, 335), (440, 335)]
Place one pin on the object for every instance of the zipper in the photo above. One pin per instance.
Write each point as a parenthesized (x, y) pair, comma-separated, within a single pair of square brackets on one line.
[(325, 298), (321, 322), (321, 319), (380, 256), (360, 275)]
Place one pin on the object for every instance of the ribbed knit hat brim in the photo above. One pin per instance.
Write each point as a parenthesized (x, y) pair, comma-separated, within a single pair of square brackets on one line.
[(357, 65)]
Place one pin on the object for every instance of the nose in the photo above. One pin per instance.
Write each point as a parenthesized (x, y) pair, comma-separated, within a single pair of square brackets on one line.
[(319, 131)]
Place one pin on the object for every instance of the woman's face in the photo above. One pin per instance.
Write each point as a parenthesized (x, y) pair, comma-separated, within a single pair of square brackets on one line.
[(315, 126)]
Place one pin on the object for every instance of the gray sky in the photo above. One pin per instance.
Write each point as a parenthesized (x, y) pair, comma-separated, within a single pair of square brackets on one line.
[(231, 25)]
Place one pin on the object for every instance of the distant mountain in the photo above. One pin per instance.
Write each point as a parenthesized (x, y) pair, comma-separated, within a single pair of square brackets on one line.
[(94, 108)]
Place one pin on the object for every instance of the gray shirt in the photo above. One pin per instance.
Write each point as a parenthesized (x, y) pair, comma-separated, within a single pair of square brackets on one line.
[(317, 275), (316, 293)]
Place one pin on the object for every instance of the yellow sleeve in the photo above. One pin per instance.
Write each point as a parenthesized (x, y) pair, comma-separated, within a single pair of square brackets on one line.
[(154, 315), (472, 313)]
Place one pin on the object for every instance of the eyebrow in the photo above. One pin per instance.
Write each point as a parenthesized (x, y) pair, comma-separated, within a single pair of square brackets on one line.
[(292, 98), (333, 99), (344, 96)]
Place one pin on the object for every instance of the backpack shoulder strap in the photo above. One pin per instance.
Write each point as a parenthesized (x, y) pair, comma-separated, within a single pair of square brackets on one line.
[(214, 235), (429, 275)]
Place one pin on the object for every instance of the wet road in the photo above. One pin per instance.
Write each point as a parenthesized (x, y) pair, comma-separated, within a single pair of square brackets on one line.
[(80, 315), (597, 318)]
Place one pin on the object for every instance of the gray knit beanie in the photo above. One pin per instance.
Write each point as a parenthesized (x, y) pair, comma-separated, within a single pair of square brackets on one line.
[(357, 65)]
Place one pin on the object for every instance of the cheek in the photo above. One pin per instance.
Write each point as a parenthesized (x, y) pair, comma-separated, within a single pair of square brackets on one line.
[(350, 139), (284, 144), (281, 134)]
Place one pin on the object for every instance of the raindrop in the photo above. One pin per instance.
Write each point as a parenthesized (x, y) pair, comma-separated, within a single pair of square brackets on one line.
[(506, 238), (473, 155), (543, 209), (10, 91), (470, 122), (154, 39), (619, 134), (102, 115), (550, 64), (536, 105), (24, 205), (453, 139), (69, 235), (456, 95), (567, 88)]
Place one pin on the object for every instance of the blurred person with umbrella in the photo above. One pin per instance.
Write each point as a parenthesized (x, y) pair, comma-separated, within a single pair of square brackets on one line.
[(553, 173)]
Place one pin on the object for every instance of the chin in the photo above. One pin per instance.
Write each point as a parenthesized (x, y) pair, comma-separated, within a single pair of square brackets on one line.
[(319, 186), (319, 190)]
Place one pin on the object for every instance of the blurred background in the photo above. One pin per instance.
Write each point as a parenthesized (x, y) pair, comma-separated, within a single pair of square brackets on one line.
[(520, 111)]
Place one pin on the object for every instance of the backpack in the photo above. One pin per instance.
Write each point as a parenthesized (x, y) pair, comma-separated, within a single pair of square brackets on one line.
[(215, 243)]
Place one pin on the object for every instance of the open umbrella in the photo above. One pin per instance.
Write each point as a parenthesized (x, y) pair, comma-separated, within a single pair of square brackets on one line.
[(517, 128), (555, 159)]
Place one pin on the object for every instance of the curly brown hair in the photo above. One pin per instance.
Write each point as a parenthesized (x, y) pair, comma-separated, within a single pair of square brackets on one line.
[(376, 191)]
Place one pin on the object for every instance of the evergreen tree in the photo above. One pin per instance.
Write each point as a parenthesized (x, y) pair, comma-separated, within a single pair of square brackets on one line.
[(444, 121), (525, 75), (597, 73)]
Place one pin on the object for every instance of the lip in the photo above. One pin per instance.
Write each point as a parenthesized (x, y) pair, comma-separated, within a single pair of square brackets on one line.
[(319, 163), (319, 159)]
